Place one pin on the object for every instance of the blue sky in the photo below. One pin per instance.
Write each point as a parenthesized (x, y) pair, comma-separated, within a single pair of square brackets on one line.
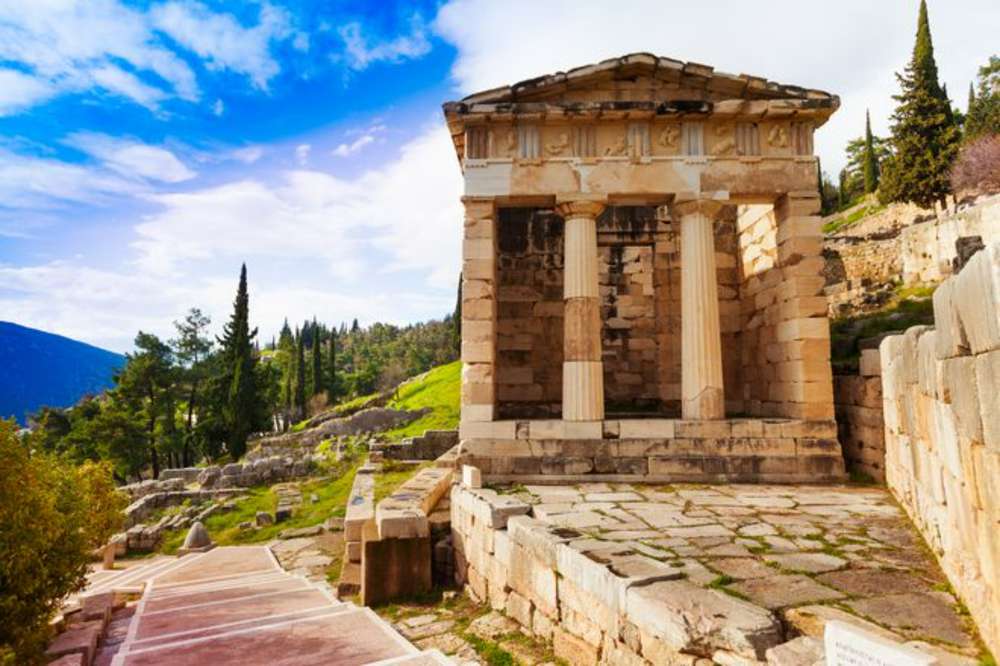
[(148, 148)]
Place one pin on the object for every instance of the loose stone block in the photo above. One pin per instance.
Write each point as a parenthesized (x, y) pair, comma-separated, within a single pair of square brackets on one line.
[(689, 617)]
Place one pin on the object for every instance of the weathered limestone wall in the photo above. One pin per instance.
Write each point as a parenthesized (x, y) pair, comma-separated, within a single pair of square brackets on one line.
[(786, 336), (529, 313), (860, 427), (942, 425), (928, 248)]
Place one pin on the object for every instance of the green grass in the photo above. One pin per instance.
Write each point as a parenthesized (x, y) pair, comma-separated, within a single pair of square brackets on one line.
[(439, 389), (845, 221), (224, 527), (392, 476), (490, 652), (909, 306)]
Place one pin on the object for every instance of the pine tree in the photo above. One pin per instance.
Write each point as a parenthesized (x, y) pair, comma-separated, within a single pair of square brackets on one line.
[(317, 363), (243, 404), (924, 135), (300, 373), (983, 114), (355, 328), (870, 160)]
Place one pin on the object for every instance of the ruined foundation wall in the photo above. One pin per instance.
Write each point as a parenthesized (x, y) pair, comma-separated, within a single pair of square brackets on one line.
[(942, 429), (928, 248)]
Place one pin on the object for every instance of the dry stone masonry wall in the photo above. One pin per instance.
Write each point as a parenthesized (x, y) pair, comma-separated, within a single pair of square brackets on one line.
[(941, 401), (860, 427)]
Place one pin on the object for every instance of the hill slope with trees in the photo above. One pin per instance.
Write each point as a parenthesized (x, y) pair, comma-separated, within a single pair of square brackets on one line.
[(39, 368)]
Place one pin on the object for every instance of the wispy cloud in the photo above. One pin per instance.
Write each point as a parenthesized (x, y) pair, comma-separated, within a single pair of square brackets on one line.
[(302, 153), (222, 42), (132, 158), (348, 149), (360, 50)]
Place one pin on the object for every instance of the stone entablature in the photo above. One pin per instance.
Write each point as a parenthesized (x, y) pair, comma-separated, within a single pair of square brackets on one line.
[(642, 236)]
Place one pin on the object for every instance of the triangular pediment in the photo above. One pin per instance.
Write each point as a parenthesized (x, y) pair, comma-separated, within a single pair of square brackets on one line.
[(642, 77)]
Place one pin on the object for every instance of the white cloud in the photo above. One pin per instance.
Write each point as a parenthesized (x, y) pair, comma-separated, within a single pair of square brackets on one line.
[(116, 80), (222, 42), (74, 46), (360, 51), (219, 107), (314, 244), (34, 183), (850, 48), (247, 155), (19, 91), (302, 153), (132, 158), (348, 149)]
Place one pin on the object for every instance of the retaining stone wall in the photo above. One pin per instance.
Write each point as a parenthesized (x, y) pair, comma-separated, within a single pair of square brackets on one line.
[(941, 397), (860, 427)]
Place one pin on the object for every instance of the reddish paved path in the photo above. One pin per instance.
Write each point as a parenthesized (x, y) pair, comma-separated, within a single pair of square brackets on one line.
[(237, 606)]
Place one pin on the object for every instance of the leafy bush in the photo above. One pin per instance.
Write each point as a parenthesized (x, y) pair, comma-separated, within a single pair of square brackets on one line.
[(52, 516)]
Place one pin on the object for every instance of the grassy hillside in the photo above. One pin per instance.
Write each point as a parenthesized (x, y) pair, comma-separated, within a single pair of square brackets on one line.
[(438, 389)]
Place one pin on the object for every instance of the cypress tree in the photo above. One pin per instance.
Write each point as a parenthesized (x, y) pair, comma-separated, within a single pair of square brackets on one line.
[(871, 162), (924, 135), (243, 403), (842, 190), (317, 361), (457, 318), (331, 367), (972, 101), (300, 372)]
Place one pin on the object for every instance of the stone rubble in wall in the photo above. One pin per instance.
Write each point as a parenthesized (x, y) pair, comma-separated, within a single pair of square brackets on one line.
[(942, 430), (429, 446), (628, 574)]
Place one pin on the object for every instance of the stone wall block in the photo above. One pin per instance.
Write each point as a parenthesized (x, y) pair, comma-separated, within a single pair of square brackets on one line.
[(988, 387), (977, 298), (951, 338)]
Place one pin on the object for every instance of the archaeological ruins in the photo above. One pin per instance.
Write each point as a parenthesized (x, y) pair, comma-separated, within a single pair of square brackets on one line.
[(642, 290)]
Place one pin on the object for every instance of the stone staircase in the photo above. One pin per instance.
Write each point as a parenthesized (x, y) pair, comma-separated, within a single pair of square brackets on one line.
[(231, 605)]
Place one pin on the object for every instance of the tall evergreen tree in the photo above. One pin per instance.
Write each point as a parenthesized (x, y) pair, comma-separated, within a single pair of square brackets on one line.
[(924, 135), (300, 373), (331, 367), (457, 317), (242, 408), (842, 190), (870, 160), (317, 362), (983, 114), (191, 348)]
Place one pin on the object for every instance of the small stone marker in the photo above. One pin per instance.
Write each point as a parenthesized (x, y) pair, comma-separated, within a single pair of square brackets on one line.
[(847, 645), (197, 540), (471, 477)]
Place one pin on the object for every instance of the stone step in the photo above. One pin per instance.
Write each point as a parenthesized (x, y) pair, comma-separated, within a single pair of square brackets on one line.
[(350, 580)]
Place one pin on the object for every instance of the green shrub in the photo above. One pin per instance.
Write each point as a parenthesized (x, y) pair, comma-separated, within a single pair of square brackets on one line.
[(52, 516)]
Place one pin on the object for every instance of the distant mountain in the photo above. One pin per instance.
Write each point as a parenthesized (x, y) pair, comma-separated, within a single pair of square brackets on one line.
[(39, 368)]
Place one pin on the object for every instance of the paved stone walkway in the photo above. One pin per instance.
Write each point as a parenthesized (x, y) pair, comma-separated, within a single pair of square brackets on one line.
[(235, 605), (808, 554)]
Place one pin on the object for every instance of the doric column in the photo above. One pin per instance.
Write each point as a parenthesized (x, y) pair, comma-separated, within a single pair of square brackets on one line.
[(583, 372), (701, 343)]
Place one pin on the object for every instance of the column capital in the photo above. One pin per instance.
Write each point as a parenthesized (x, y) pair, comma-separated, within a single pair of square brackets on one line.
[(710, 208), (580, 205)]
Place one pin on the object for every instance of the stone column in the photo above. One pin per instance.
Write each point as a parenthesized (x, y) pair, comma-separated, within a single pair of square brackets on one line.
[(583, 371), (701, 342), (479, 311)]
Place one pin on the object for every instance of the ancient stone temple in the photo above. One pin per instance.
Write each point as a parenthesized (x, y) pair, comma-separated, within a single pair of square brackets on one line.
[(641, 288)]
